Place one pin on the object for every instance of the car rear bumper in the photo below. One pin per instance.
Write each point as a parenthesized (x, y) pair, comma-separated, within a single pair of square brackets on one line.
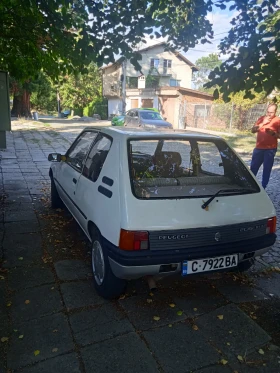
[(132, 265)]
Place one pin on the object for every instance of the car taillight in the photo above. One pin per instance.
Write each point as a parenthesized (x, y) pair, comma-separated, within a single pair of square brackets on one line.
[(134, 240), (271, 225)]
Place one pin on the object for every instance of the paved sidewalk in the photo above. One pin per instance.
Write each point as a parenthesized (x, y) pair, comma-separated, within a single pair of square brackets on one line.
[(51, 319)]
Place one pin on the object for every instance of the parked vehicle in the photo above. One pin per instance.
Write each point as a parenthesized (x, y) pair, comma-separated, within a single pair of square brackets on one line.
[(66, 113), (159, 203), (118, 120), (146, 119)]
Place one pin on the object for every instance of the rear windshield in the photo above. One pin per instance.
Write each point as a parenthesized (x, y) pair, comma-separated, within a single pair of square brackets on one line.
[(176, 168)]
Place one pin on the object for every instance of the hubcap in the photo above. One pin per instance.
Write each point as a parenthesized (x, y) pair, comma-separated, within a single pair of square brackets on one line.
[(98, 264)]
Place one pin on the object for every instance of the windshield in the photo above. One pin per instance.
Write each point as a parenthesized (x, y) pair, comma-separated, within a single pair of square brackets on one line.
[(176, 168), (150, 115)]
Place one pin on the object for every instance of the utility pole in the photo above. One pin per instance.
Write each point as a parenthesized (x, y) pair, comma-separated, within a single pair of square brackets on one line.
[(124, 86)]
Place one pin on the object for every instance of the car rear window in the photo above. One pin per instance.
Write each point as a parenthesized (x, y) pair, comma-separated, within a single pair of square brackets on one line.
[(176, 168)]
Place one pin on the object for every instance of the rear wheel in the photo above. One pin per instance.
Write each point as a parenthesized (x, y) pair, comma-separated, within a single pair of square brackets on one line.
[(56, 201), (106, 283)]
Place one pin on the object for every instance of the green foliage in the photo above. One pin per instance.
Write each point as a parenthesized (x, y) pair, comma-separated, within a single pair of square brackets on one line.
[(153, 77), (43, 97), (77, 91), (205, 65), (98, 106), (64, 36), (132, 82)]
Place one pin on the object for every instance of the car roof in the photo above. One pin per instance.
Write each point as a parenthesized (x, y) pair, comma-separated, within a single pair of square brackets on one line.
[(128, 132)]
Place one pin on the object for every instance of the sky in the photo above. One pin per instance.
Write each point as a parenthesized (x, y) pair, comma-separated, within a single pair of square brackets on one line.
[(221, 24)]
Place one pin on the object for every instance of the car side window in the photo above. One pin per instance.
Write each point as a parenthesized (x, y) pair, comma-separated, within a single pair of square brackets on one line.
[(78, 151), (96, 158)]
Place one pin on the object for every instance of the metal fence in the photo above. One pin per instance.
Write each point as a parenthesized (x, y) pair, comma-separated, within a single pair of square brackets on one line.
[(225, 117)]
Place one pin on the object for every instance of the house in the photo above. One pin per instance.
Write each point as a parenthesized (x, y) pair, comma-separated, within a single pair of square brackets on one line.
[(164, 80)]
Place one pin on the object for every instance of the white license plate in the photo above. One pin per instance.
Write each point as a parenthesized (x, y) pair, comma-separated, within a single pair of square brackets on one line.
[(209, 264)]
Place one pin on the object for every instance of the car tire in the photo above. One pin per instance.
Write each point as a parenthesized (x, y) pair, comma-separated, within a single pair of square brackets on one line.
[(56, 201), (245, 265), (107, 285)]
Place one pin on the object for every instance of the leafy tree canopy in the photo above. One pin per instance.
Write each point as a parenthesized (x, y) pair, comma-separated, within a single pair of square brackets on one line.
[(57, 35), (205, 65)]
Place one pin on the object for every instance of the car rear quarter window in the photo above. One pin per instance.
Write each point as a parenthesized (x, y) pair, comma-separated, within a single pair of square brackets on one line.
[(185, 168), (97, 157)]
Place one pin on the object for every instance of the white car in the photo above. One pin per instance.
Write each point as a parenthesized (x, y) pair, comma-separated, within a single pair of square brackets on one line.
[(158, 203)]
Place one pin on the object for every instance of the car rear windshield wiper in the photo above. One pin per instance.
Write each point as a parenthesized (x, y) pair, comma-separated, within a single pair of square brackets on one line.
[(239, 191)]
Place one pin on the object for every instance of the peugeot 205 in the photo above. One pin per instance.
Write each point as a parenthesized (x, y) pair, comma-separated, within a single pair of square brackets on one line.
[(156, 203)]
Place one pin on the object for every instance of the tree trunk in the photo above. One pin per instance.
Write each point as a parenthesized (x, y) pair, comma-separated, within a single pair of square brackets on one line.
[(21, 105)]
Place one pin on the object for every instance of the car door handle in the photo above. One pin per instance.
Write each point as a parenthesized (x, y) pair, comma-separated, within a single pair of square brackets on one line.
[(74, 181)]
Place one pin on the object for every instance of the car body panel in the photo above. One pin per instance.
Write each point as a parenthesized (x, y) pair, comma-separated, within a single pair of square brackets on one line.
[(120, 209)]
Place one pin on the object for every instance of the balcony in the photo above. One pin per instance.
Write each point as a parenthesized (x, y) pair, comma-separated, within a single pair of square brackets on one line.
[(162, 71)]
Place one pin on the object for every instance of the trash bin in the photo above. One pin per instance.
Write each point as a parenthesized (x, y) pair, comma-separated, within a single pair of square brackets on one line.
[(35, 115)]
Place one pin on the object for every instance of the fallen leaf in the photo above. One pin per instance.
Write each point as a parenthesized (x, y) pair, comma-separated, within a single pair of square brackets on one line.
[(195, 327), (223, 361), (151, 294), (180, 313), (261, 351), (36, 352), (55, 331), (9, 304), (20, 258), (195, 309), (149, 300), (15, 330), (4, 339), (220, 317), (20, 336), (172, 305), (230, 332), (240, 358), (2, 278), (156, 318), (228, 343), (54, 349), (170, 325), (27, 301)]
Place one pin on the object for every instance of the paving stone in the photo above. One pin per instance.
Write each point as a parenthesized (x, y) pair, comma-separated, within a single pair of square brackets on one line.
[(240, 293), (43, 300), (190, 352), (215, 369), (25, 246), (257, 363), (60, 364), (235, 328), (11, 216), (28, 277), (80, 294), (141, 313), (42, 334), (96, 325), (19, 197), (73, 270), (270, 285), (29, 226), (122, 354), (198, 298)]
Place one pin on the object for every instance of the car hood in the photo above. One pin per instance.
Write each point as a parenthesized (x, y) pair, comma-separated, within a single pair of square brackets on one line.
[(158, 122)]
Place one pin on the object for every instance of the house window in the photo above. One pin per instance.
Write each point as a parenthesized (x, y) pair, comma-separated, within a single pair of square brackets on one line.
[(167, 63), (174, 83), (154, 63)]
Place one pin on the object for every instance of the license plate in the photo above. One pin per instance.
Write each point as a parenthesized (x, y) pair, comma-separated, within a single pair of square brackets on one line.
[(209, 264)]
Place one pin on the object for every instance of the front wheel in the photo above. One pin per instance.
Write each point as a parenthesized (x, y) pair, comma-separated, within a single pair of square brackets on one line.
[(56, 201), (106, 283)]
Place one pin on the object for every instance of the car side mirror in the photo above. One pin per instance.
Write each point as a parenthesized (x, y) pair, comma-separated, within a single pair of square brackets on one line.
[(56, 157)]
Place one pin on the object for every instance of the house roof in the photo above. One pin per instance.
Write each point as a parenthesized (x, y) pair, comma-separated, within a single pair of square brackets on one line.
[(188, 90), (177, 54)]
